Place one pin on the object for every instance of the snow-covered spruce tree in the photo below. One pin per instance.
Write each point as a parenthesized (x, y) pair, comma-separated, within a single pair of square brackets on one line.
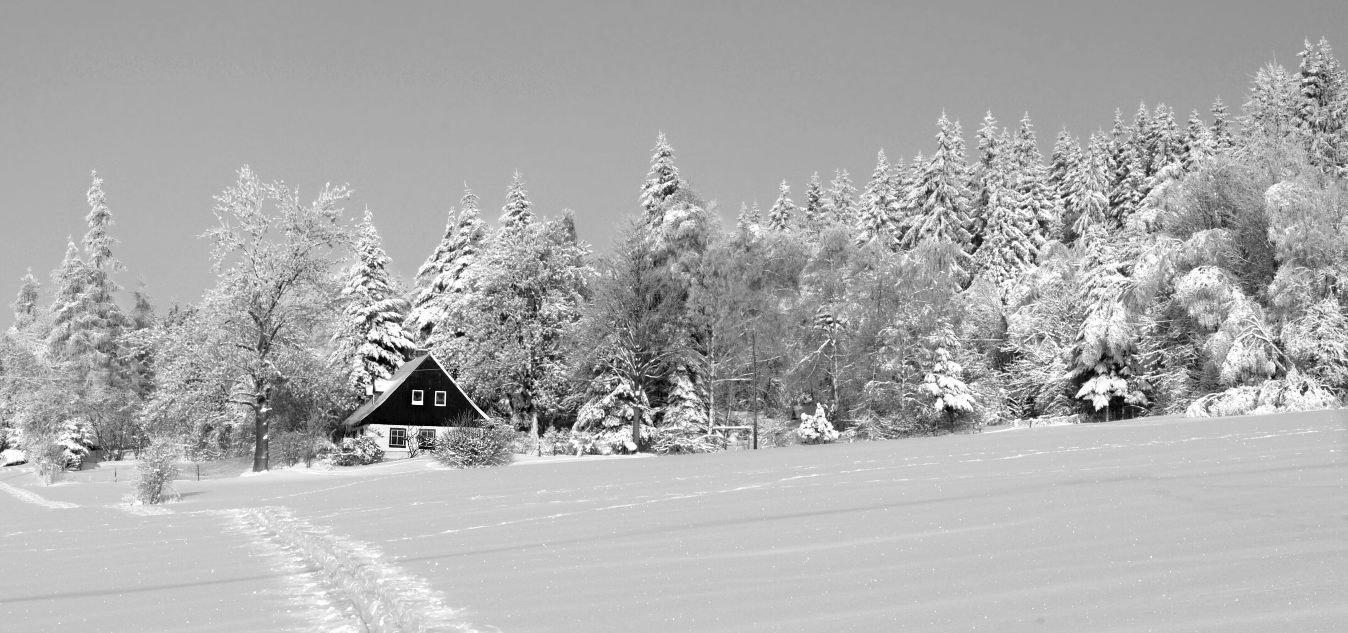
[(1196, 147), (874, 220), (442, 273), (614, 402), (1145, 139), (944, 385), (987, 174), (87, 328), (1222, 138), (68, 281), (842, 195), (1087, 201), (88, 323), (1039, 208), (26, 303), (1063, 163), (1007, 251), (1103, 360), (812, 215), (517, 212), (783, 211), (1163, 141), (685, 407), (1123, 172), (1322, 115), (662, 180), (372, 343), (939, 199)]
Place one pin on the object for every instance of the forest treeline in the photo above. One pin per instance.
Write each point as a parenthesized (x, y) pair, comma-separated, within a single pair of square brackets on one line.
[(1155, 267)]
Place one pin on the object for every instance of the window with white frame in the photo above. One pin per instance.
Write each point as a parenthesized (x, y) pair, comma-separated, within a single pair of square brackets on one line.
[(427, 437), (397, 437), (418, 397), (440, 398)]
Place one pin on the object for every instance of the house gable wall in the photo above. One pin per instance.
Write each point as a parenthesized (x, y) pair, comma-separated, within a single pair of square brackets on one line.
[(398, 410)]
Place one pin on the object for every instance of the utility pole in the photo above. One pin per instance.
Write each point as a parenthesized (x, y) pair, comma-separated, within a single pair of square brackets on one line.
[(753, 347)]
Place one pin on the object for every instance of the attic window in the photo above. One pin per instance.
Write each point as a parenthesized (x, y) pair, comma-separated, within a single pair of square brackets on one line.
[(439, 398), (418, 397)]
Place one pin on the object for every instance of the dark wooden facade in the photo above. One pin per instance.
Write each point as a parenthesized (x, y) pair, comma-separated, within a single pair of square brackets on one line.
[(396, 404)]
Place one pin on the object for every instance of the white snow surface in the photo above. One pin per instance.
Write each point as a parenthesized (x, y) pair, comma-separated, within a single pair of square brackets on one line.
[(1215, 524)]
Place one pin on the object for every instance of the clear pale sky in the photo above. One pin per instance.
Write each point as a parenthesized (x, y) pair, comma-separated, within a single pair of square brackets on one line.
[(407, 101)]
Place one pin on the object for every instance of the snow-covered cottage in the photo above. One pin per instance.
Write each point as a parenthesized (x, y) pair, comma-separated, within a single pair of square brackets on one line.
[(420, 399)]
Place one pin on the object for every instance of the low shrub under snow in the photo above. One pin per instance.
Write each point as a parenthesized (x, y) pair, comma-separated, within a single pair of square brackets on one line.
[(816, 429), (154, 479), (357, 451), (1295, 392), (475, 447)]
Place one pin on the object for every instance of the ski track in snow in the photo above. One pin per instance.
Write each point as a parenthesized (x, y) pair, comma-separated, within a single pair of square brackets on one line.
[(27, 496), (350, 587)]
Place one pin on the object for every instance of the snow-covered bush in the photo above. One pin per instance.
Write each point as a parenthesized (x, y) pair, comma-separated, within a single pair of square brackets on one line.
[(557, 440), (12, 456), (611, 441), (75, 438), (683, 441), (50, 459), (158, 468), (1296, 392), (479, 447), (293, 447), (816, 429), (354, 451)]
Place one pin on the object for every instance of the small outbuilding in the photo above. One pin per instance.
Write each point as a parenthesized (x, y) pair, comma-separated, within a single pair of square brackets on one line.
[(420, 400)]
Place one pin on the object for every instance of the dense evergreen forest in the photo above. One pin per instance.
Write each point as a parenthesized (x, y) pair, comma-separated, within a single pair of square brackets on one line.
[(1160, 266)]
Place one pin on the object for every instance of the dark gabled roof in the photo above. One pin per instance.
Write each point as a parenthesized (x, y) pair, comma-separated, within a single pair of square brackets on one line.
[(395, 381)]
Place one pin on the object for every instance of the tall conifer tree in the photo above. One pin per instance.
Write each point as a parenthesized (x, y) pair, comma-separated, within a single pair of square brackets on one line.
[(25, 304), (1039, 211), (443, 271), (517, 212), (813, 213), (372, 343), (1222, 139), (873, 210), (781, 214), (842, 197), (661, 181), (939, 199)]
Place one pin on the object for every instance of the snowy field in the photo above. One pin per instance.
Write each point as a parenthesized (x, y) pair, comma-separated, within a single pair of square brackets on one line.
[(1237, 524)]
